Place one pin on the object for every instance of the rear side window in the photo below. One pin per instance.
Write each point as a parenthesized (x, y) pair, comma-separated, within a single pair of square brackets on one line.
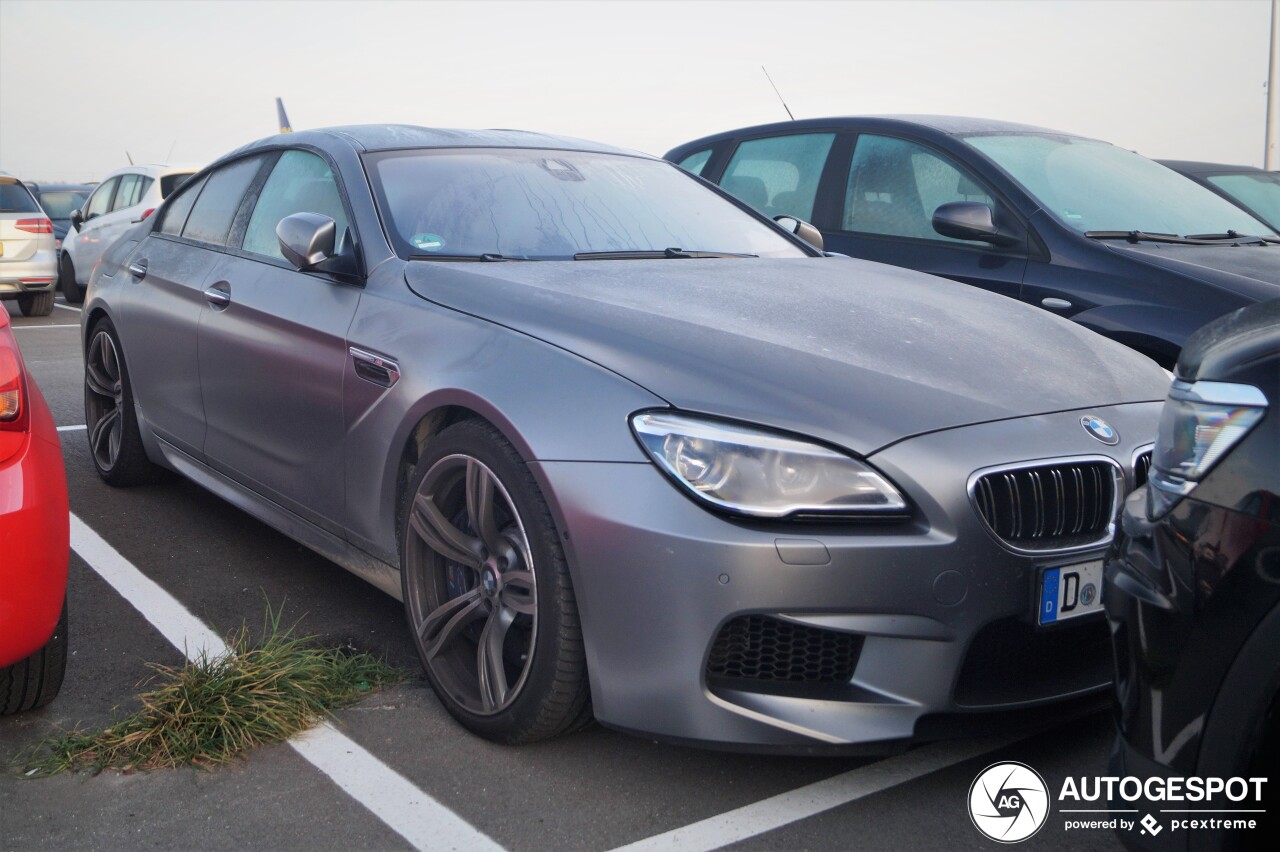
[(169, 183), (127, 193), (695, 163), (895, 186), (779, 175), (301, 182), (14, 198), (175, 214), (211, 217), (100, 201)]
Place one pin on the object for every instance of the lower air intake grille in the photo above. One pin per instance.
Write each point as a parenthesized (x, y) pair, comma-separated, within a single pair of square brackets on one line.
[(761, 648), (1141, 469), (1050, 506)]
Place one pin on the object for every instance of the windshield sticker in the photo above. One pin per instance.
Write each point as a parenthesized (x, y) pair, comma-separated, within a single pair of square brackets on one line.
[(428, 242)]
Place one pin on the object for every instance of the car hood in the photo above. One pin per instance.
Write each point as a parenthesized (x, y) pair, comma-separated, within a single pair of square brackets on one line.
[(851, 352), (1251, 271)]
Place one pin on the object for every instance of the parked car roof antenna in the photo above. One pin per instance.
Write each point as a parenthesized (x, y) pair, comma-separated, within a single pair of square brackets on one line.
[(779, 94)]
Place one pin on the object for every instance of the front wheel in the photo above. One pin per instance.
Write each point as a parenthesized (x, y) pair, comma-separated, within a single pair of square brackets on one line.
[(71, 291), (487, 591), (35, 681)]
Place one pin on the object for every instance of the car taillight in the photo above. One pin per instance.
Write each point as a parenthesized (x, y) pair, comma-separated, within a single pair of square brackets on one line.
[(34, 226), (13, 404), (146, 213)]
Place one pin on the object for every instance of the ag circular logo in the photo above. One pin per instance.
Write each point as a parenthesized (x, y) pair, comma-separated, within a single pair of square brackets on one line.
[(1100, 429), (1008, 802)]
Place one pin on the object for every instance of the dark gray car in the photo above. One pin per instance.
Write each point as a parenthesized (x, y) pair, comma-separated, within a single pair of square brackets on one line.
[(624, 447)]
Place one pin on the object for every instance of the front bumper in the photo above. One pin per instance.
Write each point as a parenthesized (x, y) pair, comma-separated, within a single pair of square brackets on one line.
[(940, 612)]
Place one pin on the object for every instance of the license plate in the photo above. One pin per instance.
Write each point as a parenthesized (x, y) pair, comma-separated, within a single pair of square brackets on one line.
[(1, 249), (1070, 591)]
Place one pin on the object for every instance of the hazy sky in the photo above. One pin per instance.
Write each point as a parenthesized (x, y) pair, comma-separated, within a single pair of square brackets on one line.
[(81, 83)]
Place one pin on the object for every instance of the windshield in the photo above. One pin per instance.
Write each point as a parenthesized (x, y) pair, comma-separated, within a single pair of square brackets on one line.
[(552, 205), (1259, 192), (59, 203), (1094, 186)]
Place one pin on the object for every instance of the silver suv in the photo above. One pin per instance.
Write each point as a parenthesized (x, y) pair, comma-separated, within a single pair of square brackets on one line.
[(28, 257)]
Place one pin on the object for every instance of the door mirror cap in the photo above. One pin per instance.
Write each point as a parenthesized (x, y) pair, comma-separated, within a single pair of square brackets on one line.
[(307, 239), (801, 229), (77, 219), (971, 220)]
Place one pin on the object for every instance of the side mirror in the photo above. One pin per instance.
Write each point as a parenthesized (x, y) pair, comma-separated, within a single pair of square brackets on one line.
[(801, 229), (307, 239), (77, 219), (971, 220)]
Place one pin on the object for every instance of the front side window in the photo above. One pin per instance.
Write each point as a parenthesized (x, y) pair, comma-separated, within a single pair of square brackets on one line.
[(100, 201), (779, 175), (895, 186), (301, 182), (176, 212), (1094, 186), (211, 217), (553, 205), (127, 193)]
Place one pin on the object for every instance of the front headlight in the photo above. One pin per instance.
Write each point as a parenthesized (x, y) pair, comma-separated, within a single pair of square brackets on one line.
[(1199, 424), (754, 472)]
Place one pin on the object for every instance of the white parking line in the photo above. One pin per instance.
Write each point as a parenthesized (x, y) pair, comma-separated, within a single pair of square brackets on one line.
[(58, 325), (389, 796), (66, 307), (786, 808), (79, 428)]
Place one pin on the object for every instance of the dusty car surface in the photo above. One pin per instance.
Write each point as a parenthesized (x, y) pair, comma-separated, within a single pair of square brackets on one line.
[(624, 447)]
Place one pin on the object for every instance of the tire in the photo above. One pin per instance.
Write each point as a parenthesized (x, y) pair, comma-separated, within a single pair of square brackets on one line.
[(35, 681), (71, 291), (115, 443), (36, 304), (487, 591)]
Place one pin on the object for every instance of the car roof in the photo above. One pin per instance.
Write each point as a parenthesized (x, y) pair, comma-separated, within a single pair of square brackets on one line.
[(1197, 167), (390, 137), (154, 170), (60, 187), (950, 125)]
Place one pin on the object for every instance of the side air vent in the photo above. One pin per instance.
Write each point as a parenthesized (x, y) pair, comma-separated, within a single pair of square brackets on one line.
[(1141, 468), (761, 648), (1058, 505)]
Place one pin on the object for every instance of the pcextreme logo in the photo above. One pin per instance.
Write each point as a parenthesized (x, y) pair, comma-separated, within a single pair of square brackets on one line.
[(1009, 802)]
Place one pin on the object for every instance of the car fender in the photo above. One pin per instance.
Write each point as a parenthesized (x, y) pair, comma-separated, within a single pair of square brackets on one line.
[(1158, 331)]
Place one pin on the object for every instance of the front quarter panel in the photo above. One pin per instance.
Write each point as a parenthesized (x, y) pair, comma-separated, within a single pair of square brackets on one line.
[(551, 404)]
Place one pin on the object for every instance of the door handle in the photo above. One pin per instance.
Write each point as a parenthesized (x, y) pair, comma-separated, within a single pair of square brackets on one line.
[(1055, 304), (219, 295), (375, 368), (138, 269)]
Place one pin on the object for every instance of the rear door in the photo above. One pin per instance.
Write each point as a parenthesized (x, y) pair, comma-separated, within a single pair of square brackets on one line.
[(888, 193), (124, 209), (272, 358), (160, 328)]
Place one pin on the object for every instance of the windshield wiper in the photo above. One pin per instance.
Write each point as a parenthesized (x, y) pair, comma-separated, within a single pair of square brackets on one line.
[(656, 254), (487, 257), (1234, 237), (1189, 240)]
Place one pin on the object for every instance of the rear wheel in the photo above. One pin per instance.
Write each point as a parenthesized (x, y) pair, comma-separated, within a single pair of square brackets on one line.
[(71, 291), (487, 591), (111, 422), (35, 681), (36, 304)]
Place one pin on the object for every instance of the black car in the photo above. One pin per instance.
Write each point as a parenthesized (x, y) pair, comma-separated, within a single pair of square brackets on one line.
[(1082, 228), (1253, 190), (58, 200), (1192, 591)]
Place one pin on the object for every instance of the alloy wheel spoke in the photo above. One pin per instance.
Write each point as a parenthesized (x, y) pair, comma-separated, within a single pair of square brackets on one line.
[(444, 623), (99, 383), (481, 506), (518, 592), (489, 664), (444, 538), (105, 428)]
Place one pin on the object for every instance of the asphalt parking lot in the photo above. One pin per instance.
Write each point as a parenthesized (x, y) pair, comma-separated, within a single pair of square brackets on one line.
[(395, 771)]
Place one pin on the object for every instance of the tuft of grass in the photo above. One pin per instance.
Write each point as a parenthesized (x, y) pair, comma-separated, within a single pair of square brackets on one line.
[(211, 709)]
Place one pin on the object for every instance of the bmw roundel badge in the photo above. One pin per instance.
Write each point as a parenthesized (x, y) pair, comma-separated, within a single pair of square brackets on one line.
[(1100, 429)]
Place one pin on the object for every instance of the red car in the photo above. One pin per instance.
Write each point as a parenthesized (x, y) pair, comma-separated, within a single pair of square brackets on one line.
[(34, 539)]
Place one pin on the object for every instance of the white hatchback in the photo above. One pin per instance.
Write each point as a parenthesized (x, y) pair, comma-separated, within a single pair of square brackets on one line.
[(125, 197)]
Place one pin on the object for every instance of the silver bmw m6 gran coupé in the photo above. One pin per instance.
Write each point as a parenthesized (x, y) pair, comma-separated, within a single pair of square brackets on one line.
[(626, 449)]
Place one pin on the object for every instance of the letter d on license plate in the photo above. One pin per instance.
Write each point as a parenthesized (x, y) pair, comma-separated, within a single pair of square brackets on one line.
[(1070, 591)]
